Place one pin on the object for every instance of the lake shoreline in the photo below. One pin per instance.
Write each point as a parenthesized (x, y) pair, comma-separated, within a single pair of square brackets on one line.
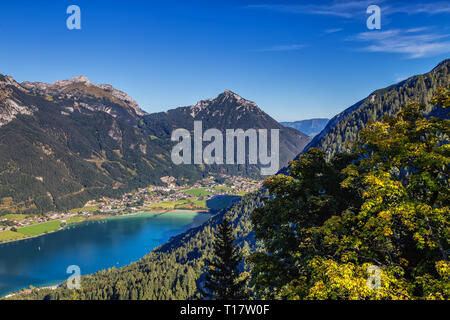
[(15, 294), (187, 220), (107, 217)]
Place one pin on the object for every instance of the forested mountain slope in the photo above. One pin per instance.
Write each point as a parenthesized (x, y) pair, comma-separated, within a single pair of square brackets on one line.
[(344, 127), (63, 144)]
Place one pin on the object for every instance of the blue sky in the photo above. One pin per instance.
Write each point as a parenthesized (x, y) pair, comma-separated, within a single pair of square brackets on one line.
[(295, 59)]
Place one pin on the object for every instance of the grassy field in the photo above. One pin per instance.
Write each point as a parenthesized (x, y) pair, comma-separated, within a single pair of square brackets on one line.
[(196, 204), (36, 229), (215, 203), (223, 188), (75, 219), (85, 209), (198, 192), (10, 235), (12, 216), (166, 205), (41, 228), (179, 204)]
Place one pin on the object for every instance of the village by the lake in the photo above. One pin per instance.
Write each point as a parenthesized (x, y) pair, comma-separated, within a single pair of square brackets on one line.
[(209, 194)]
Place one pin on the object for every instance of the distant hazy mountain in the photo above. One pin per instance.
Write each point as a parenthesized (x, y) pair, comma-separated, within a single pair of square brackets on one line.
[(310, 126), (344, 127), (62, 144)]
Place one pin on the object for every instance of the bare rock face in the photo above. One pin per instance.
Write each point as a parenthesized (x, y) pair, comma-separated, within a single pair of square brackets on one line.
[(6, 81), (115, 133), (123, 97), (80, 86), (9, 109), (79, 79)]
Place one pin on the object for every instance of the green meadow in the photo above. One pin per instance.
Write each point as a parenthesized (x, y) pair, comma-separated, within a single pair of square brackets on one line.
[(85, 209), (40, 228), (179, 204), (10, 236), (198, 192)]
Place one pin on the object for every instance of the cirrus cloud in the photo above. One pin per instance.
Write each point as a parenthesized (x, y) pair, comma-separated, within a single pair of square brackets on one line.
[(357, 9), (287, 47), (414, 42)]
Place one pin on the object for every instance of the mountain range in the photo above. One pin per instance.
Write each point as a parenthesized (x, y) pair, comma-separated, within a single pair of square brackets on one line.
[(175, 270), (310, 126), (65, 143)]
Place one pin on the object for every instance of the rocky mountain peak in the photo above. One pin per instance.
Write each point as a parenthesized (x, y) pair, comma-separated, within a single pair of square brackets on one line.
[(225, 100), (74, 80), (123, 97), (6, 80), (61, 86), (229, 95)]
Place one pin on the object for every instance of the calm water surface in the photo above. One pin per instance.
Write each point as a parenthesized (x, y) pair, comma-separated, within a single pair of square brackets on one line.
[(92, 246)]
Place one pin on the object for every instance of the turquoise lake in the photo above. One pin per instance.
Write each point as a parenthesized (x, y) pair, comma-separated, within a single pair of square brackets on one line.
[(93, 246)]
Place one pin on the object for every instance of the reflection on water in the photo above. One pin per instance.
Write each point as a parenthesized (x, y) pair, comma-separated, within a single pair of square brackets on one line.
[(91, 245)]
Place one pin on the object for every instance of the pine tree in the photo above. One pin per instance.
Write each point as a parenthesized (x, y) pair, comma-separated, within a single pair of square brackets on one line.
[(223, 281)]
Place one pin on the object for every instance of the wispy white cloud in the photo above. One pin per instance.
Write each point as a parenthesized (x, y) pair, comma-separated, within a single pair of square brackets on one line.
[(287, 47), (333, 30), (343, 9), (414, 43), (357, 9), (431, 7)]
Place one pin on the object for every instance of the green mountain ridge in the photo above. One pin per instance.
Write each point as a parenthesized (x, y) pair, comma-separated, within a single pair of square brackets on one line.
[(344, 127)]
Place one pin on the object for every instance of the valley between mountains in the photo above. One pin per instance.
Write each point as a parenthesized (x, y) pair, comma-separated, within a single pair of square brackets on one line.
[(66, 143)]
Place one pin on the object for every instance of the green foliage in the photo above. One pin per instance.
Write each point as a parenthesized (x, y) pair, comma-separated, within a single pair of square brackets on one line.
[(383, 205)]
